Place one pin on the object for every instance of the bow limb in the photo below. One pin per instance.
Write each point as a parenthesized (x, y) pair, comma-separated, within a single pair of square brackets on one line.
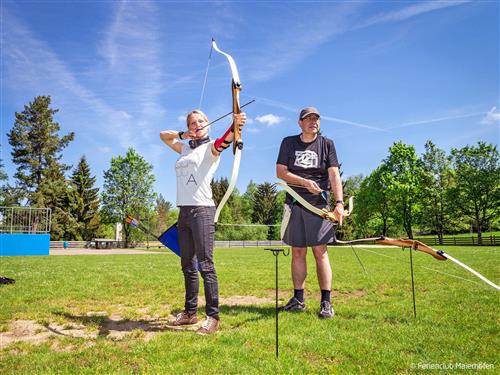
[(232, 184), (471, 270), (323, 212), (237, 142), (420, 246), (438, 254), (235, 89)]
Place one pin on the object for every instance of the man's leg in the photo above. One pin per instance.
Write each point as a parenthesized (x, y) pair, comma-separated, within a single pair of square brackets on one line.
[(323, 268), (293, 236), (299, 267), (299, 273), (324, 272)]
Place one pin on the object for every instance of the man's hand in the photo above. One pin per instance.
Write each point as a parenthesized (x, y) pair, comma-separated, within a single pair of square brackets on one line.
[(311, 186), (339, 213)]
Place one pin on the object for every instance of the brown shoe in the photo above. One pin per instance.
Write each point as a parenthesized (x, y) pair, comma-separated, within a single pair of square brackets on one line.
[(209, 326), (185, 318)]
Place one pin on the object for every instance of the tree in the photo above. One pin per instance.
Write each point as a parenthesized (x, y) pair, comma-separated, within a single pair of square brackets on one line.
[(247, 201), (128, 188), (351, 186), (219, 188), (266, 210), (86, 201), (162, 210), (3, 175), (232, 212), (36, 145), (403, 183), (437, 180), (57, 193), (477, 191), (372, 213), (3, 188)]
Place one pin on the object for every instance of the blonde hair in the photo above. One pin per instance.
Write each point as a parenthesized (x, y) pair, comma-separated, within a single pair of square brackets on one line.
[(198, 112)]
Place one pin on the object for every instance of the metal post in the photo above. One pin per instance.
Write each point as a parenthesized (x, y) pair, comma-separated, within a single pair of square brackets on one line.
[(413, 284), (276, 253)]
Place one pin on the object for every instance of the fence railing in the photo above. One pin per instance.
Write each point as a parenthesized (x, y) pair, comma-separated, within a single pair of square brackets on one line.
[(26, 220), (461, 241), (431, 241)]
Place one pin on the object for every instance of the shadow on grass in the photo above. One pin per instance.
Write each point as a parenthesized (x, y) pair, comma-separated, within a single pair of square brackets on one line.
[(257, 312), (107, 325)]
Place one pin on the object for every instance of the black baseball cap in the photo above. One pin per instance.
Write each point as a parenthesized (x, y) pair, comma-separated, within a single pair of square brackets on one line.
[(307, 111)]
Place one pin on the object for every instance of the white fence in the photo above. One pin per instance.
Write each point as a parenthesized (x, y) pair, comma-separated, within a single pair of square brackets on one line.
[(25, 220)]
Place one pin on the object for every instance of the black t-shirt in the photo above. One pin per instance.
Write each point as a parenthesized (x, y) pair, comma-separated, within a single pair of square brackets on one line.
[(310, 161)]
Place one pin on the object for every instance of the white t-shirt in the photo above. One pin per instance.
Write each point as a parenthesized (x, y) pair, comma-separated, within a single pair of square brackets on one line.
[(194, 170)]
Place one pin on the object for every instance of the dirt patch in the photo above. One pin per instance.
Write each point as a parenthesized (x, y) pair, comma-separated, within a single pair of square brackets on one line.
[(88, 327), (35, 333), (113, 326)]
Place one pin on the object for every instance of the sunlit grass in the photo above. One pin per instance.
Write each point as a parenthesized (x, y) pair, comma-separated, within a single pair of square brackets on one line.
[(373, 331)]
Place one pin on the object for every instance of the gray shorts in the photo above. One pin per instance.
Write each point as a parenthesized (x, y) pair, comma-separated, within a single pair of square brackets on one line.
[(307, 229)]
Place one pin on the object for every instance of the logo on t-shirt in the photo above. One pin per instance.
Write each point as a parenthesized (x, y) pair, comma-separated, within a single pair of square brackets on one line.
[(306, 159), (191, 179)]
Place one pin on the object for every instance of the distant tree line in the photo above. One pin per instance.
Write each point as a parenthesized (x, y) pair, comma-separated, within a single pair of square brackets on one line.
[(406, 194)]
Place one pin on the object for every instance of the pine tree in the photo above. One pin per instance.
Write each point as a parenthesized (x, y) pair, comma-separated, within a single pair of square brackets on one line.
[(3, 175), (86, 200), (266, 209), (57, 193), (36, 145)]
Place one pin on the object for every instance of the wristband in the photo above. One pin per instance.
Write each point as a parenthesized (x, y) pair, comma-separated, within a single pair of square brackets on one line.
[(180, 135), (341, 202)]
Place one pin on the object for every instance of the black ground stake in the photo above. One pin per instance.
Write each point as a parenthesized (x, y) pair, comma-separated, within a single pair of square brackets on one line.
[(413, 284), (276, 253)]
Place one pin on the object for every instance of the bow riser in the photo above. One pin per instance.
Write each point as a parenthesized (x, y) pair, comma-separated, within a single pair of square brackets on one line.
[(236, 89)]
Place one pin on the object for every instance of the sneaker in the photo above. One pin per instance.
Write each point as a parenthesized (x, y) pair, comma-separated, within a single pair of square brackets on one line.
[(209, 326), (185, 318), (294, 305), (326, 310)]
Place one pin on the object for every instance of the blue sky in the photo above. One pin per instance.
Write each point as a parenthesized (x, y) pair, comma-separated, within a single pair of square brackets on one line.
[(379, 72)]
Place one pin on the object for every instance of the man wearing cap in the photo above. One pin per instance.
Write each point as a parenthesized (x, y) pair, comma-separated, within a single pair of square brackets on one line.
[(308, 163)]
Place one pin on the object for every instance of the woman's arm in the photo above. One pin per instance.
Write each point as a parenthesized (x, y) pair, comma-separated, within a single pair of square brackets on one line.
[(223, 142), (171, 139)]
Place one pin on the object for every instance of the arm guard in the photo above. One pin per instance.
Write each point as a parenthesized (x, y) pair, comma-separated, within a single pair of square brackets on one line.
[(222, 143)]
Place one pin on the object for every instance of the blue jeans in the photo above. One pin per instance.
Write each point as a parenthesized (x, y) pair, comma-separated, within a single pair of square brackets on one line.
[(196, 239)]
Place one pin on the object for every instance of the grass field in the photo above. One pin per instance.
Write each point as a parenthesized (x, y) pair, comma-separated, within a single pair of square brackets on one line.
[(109, 314)]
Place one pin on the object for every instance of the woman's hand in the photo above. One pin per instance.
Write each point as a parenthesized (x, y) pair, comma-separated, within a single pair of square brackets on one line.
[(190, 134), (239, 119)]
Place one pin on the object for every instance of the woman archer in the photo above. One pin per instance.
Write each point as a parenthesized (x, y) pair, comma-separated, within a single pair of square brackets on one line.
[(195, 168)]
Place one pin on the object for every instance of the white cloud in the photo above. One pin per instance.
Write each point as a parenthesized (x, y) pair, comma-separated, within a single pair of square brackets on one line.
[(269, 119), (492, 117)]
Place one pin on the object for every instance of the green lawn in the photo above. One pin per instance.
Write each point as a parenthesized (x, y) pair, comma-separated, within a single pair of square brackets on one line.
[(120, 305)]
